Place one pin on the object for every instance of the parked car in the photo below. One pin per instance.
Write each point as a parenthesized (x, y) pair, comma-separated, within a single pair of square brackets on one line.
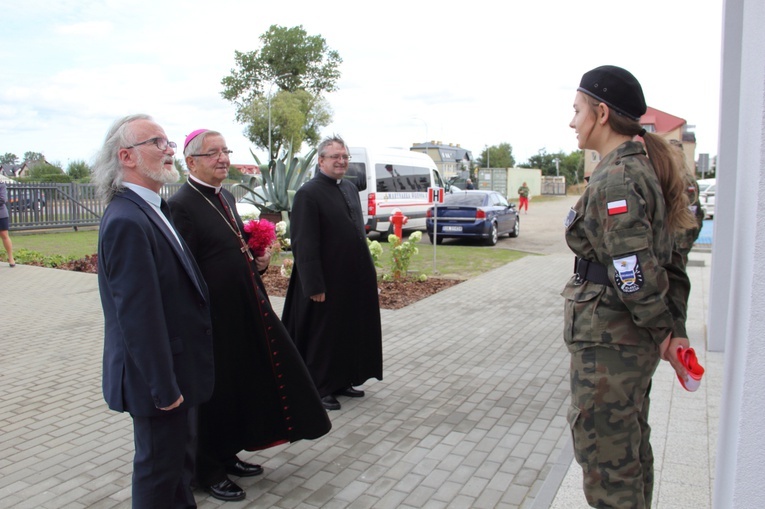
[(478, 214), (246, 205), (705, 183), (707, 199), (26, 199)]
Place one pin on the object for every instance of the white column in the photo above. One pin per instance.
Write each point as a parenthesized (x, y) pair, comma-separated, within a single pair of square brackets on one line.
[(737, 305)]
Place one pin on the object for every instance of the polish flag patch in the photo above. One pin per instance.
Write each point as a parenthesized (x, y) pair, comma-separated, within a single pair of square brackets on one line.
[(617, 207)]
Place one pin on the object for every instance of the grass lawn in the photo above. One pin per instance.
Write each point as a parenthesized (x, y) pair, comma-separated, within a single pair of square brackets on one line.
[(461, 262), (65, 243)]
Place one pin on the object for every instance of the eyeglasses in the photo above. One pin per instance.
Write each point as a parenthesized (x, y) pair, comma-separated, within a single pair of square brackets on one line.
[(337, 157), (161, 144), (214, 155)]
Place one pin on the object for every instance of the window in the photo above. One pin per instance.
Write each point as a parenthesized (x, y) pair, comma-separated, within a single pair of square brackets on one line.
[(465, 200), (396, 178), (357, 173)]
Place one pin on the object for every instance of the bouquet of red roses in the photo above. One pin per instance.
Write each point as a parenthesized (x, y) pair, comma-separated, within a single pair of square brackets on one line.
[(262, 235)]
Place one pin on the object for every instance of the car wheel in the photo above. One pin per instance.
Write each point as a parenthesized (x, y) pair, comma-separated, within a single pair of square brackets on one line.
[(439, 239), (516, 229), (493, 235)]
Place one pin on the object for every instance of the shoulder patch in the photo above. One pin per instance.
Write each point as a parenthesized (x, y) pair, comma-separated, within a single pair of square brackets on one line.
[(570, 217), (617, 207), (629, 274)]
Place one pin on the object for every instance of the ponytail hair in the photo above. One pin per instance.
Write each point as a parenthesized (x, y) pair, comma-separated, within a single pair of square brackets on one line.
[(671, 174), (666, 165)]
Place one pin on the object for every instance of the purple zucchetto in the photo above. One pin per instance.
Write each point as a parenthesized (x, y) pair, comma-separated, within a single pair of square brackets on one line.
[(193, 135)]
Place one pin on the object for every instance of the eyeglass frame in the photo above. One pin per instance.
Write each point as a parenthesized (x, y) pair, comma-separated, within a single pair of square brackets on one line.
[(215, 154), (156, 140), (337, 157)]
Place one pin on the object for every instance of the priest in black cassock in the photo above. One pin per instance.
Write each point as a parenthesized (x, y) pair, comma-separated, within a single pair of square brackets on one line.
[(332, 308), (263, 395)]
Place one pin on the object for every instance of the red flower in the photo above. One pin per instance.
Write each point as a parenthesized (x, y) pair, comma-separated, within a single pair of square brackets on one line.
[(262, 234)]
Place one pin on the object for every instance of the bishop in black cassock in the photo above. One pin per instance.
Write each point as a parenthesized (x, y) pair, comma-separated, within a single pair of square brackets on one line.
[(263, 393)]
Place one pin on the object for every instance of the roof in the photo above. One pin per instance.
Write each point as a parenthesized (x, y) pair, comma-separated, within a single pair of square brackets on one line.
[(662, 121), (447, 152), (248, 169)]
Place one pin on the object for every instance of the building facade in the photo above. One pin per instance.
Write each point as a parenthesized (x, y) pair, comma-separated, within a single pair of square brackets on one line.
[(451, 160)]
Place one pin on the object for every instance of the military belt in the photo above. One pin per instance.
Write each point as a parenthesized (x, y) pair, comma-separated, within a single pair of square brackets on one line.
[(591, 271)]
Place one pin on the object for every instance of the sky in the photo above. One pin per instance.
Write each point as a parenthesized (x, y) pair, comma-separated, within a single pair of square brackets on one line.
[(474, 74)]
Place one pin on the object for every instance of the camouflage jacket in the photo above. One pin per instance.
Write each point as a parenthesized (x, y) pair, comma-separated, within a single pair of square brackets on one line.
[(620, 222), (523, 191), (684, 239)]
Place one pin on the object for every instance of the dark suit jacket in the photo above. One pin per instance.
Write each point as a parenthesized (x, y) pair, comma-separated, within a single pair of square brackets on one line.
[(157, 331)]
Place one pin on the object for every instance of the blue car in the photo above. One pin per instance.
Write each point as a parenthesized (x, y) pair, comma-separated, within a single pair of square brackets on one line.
[(474, 215)]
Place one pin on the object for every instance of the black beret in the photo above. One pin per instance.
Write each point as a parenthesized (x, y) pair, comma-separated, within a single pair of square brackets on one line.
[(616, 87)]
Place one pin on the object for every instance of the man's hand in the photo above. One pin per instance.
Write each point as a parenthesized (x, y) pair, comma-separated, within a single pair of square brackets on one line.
[(262, 262), (668, 350), (319, 297), (174, 405)]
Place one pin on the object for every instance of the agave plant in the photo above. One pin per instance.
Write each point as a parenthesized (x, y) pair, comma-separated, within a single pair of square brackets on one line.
[(280, 181)]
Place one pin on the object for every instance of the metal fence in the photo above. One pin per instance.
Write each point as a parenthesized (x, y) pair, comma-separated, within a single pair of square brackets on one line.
[(554, 185), (41, 206)]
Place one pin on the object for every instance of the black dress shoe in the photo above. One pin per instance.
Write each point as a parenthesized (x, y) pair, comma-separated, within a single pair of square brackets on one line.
[(226, 490), (330, 403), (243, 469), (350, 392)]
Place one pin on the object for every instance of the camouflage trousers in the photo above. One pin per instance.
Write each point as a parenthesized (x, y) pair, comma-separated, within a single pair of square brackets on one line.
[(610, 389)]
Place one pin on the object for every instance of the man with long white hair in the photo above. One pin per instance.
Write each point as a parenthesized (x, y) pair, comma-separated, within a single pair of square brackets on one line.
[(158, 357)]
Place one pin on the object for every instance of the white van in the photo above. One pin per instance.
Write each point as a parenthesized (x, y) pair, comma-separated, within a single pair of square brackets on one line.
[(390, 179)]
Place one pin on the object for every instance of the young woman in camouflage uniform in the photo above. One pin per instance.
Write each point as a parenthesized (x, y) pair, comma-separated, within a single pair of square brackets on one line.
[(625, 306)]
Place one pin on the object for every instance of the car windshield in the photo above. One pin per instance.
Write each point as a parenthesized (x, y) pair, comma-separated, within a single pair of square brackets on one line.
[(465, 200)]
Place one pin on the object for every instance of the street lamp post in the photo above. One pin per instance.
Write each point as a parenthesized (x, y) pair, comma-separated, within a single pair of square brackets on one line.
[(270, 156)]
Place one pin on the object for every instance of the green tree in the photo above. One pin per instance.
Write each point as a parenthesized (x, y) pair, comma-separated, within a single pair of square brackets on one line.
[(570, 165), (296, 117), (499, 156), (180, 166), (78, 170), (9, 158), (235, 174), (33, 157), (543, 161), (47, 172), (293, 62)]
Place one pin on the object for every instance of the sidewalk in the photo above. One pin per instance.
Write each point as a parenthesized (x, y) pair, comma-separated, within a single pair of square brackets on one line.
[(684, 425), (471, 412)]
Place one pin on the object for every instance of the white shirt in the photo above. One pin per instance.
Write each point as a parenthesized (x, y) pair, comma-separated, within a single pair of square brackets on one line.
[(155, 201)]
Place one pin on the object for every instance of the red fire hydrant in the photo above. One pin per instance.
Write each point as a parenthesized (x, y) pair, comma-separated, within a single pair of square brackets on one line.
[(398, 220)]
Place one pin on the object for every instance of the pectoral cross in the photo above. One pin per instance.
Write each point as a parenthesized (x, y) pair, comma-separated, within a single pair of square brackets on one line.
[(245, 249)]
